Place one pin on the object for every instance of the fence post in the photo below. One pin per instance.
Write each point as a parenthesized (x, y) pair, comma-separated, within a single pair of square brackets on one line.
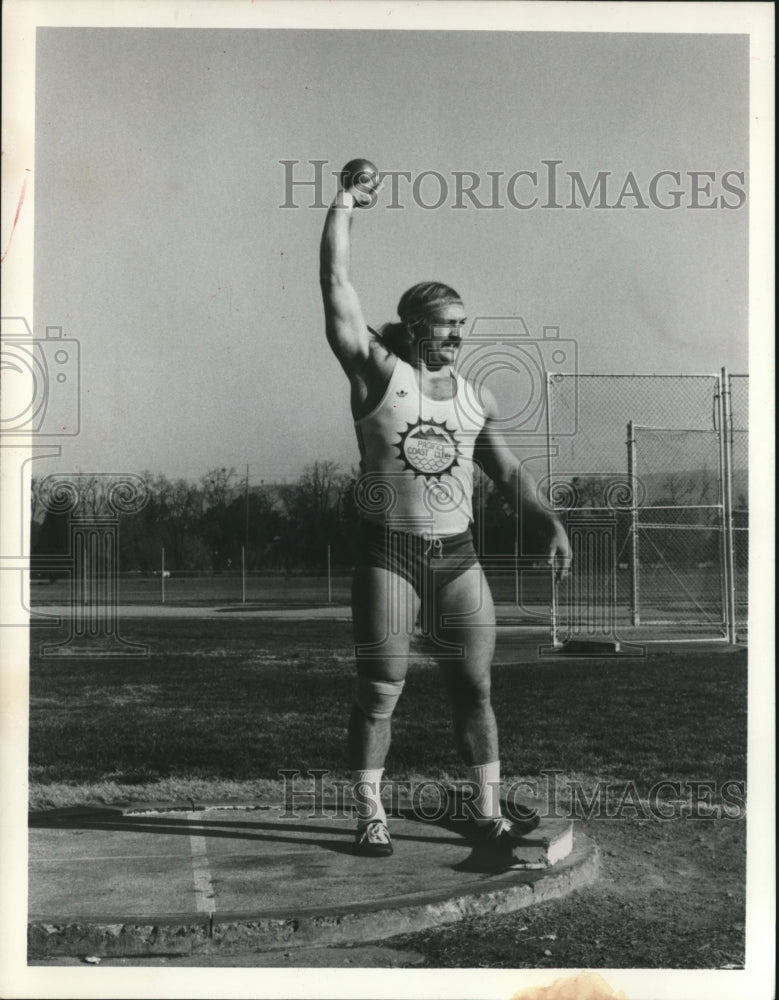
[(726, 433), (635, 617), (162, 575), (329, 582), (245, 548), (718, 419), (553, 617)]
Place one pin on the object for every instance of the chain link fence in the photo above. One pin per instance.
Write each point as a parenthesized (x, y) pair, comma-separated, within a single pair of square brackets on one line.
[(650, 474), (739, 477)]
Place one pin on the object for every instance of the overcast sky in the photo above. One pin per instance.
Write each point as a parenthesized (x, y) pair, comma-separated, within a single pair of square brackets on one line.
[(161, 246)]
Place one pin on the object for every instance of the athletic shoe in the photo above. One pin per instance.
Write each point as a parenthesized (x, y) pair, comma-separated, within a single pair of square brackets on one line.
[(521, 822), (494, 843), (510, 829), (373, 840)]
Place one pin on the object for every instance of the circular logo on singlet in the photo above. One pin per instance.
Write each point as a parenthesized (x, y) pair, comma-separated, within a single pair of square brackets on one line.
[(428, 448)]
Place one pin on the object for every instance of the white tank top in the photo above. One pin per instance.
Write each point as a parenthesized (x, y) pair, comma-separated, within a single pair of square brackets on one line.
[(417, 457)]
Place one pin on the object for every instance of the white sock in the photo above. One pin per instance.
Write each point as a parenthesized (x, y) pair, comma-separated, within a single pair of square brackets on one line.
[(486, 803), (366, 792)]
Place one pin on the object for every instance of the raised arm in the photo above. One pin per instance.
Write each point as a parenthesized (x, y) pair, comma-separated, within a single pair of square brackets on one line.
[(518, 489), (347, 332)]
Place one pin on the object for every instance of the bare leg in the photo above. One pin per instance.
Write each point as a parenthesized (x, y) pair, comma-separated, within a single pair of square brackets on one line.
[(384, 610), (467, 603), (465, 615)]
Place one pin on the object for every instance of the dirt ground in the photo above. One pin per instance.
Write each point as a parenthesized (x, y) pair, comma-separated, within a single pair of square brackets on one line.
[(670, 895)]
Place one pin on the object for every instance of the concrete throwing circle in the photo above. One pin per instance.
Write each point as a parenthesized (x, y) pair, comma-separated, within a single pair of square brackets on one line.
[(208, 879)]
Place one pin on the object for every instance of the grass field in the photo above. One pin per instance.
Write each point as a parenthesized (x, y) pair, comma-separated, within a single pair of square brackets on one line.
[(201, 589), (220, 706), (238, 699), (694, 591)]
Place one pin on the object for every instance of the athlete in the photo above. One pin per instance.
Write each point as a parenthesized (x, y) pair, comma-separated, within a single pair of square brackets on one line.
[(421, 428)]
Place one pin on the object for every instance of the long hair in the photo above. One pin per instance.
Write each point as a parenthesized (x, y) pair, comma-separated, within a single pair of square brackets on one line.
[(414, 306)]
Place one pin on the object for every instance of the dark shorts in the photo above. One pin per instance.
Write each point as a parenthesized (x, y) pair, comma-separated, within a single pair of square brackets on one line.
[(427, 562)]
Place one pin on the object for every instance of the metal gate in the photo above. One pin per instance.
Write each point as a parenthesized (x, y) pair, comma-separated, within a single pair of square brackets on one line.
[(650, 474), (736, 437)]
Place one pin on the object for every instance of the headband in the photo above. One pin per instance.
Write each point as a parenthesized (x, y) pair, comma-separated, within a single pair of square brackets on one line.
[(419, 312)]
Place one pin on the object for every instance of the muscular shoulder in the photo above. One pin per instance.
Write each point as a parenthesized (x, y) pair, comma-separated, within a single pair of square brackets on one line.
[(378, 352), (379, 364), (370, 380)]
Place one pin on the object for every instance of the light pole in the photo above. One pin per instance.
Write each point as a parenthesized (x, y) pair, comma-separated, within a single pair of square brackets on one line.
[(245, 552)]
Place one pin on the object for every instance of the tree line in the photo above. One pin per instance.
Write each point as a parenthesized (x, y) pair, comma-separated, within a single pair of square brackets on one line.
[(210, 525)]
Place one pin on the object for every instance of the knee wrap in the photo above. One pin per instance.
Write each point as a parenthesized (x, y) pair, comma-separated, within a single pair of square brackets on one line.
[(377, 699)]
